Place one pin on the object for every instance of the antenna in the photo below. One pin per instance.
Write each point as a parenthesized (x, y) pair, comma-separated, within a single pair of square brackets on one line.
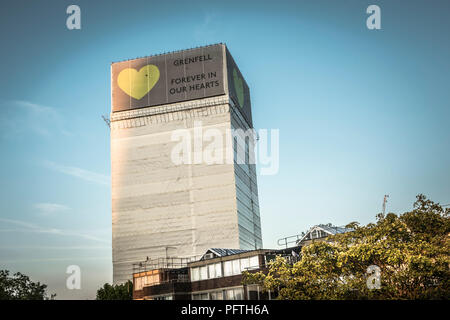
[(384, 203), (107, 121)]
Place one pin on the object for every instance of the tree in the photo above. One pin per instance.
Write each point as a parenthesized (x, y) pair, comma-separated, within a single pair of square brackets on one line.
[(20, 287), (412, 251), (116, 292)]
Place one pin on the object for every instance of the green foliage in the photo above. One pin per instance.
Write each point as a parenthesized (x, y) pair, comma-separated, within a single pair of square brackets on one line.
[(20, 287), (116, 292), (412, 251)]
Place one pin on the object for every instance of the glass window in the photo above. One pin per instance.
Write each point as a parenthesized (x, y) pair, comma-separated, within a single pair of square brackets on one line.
[(164, 298), (227, 268), (218, 267), (195, 275), (203, 273), (254, 262), (218, 295), (138, 284), (200, 296), (239, 294), (252, 292), (151, 280), (245, 264), (211, 271), (236, 267), (229, 294)]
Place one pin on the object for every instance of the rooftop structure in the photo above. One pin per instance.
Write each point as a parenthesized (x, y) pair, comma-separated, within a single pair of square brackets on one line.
[(320, 232)]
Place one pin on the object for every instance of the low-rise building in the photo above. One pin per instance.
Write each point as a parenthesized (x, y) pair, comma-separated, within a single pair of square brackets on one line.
[(217, 275)]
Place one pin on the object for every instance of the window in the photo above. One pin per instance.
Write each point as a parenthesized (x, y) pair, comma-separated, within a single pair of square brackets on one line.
[(164, 298), (214, 270), (138, 283), (253, 292), (254, 262), (151, 280), (234, 294), (229, 294), (245, 263), (200, 296), (227, 268), (211, 271), (236, 267), (195, 274), (239, 294), (218, 268), (146, 281), (218, 295), (203, 273)]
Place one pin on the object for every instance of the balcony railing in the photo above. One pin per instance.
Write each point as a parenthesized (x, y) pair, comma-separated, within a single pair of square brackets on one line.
[(163, 263)]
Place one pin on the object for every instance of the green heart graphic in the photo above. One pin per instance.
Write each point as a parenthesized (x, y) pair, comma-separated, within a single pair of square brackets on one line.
[(239, 87)]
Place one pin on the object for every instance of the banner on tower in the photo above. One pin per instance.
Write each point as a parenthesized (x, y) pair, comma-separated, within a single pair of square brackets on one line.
[(168, 78)]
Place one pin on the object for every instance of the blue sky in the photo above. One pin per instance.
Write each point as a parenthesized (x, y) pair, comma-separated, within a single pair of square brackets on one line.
[(361, 114)]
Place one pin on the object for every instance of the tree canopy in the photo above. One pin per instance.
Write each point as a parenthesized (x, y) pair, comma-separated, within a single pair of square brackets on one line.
[(411, 251), (116, 292), (20, 287)]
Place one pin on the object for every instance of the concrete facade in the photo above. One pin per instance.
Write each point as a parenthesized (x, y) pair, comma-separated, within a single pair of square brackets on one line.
[(160, 209)]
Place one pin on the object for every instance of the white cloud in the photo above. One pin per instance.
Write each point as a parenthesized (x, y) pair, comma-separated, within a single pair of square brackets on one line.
[(30, 227), (22, 117), (79, 173), (50, 208), (37, 108)]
